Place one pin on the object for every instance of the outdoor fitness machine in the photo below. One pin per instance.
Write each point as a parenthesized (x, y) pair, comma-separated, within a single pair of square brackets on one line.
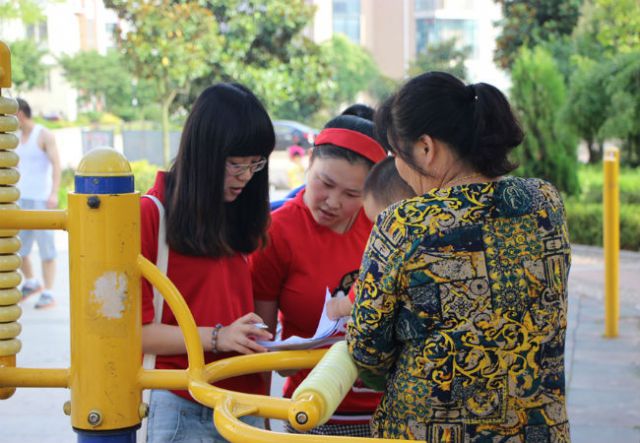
[(106, 378)]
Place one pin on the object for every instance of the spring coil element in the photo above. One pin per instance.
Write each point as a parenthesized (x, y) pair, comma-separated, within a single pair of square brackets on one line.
[(9, 243)]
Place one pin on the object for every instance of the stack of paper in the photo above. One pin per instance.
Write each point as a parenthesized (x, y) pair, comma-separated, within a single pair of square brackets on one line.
[(328, 332)]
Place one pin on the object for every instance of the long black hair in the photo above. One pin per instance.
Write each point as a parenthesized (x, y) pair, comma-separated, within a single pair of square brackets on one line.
[(226, 120), (475, 121)]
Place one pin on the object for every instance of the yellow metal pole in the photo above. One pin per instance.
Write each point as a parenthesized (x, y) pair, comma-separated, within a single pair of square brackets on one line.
[(34, 219), (611, 226), (9, 243), (106, 332), (34, 377)]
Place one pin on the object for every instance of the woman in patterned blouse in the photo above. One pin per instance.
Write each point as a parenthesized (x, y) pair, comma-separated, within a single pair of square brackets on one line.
[(461, 302)]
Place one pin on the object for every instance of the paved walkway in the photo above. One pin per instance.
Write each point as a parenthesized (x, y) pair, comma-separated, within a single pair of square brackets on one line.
[(603, 375)]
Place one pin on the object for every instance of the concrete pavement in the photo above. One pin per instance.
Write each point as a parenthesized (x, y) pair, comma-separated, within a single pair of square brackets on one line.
[(603, 375)]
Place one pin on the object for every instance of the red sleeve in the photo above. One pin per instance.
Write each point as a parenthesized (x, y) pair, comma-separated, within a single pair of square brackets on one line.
[(270, 266), (352, 294), (149, 219)]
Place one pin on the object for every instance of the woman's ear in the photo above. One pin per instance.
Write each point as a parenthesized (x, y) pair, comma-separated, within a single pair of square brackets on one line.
[(427, 149)]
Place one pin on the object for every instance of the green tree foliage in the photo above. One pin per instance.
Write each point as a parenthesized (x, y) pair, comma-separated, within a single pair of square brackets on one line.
[(587, 103), (382, 87), (585, 35), (531, 22), (28, 71), (549, 150), (618, 23), (293, 90), (264, 48), (168, 43), (353, 69), (562, 49), (28, 11), (443, 56), (623, 114), (605, 86), (104, 83), (255, 42)]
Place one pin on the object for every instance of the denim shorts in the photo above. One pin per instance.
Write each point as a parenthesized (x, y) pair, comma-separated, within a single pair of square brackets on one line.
[(46, 245), (173, 419)]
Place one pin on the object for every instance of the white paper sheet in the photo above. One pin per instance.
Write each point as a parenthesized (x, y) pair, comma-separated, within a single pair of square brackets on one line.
[(328, 332)]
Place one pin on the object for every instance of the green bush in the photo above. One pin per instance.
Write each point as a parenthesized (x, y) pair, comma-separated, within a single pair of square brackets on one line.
[(66, 186), (591, 181), (144, 175), (585, 224), (549, 150)]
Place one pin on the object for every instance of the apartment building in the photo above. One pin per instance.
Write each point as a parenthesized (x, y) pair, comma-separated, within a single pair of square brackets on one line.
[(395, 31), (69, 26)]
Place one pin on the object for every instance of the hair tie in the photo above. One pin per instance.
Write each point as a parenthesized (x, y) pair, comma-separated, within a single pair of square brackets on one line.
[(353, 141), (471, 92)]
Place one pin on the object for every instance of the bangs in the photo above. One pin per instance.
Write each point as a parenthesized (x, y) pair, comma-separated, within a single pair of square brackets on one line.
[(256, 135)]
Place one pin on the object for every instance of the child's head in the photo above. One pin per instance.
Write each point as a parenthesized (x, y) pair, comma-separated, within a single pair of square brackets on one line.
[(295, 152), (384, 187), (360, 110)]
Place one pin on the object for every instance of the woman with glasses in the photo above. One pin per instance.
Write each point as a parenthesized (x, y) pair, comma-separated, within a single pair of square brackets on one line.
[(215, 199), (316, 242), (461, 303)]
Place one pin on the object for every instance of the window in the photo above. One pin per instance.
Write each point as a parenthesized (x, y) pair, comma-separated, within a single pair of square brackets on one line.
[(428, 5), (431, 31), (43, 31), (346, 18), (38, 32), (452, 5)]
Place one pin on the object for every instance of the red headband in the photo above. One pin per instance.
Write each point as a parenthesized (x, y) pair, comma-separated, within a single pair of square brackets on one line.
[(353, 141)]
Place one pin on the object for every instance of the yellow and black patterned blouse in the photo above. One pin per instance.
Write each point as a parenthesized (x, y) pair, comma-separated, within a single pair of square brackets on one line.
[(461, 310)]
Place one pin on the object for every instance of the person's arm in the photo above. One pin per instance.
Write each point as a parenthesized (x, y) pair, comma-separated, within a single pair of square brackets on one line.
[(51, 149), (269, 269), (338, 307), (370, 333), (239, 337), (268, 311)]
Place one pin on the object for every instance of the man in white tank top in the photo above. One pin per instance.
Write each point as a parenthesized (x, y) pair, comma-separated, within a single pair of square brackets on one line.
[(39, 168)]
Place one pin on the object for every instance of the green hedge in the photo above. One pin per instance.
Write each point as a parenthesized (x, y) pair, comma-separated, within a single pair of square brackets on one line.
[(585, 224), (591, 180)]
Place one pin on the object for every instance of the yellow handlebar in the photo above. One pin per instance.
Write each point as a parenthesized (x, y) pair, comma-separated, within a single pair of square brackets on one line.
[(319, 395)]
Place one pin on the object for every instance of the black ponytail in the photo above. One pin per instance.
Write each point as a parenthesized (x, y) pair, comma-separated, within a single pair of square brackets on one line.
[(475, 121)]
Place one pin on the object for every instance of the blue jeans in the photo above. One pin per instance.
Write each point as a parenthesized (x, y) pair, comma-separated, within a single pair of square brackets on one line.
[(173, 419)]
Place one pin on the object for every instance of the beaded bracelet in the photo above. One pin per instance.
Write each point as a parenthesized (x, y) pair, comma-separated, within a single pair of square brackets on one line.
[(214, 338)]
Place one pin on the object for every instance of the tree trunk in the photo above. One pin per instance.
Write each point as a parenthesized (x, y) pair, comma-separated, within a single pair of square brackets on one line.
[(592, 146), (600, 150), (166, 145)]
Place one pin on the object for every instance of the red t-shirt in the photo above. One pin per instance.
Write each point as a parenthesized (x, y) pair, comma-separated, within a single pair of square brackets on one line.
[(216, 290), (301, 261)]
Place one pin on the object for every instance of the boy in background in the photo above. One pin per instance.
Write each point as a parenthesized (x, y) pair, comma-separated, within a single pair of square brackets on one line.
[(383, 187)]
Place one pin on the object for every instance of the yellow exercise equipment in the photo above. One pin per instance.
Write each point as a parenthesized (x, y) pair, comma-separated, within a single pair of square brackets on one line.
[(10, 261), (105, 376), (611, 227)]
